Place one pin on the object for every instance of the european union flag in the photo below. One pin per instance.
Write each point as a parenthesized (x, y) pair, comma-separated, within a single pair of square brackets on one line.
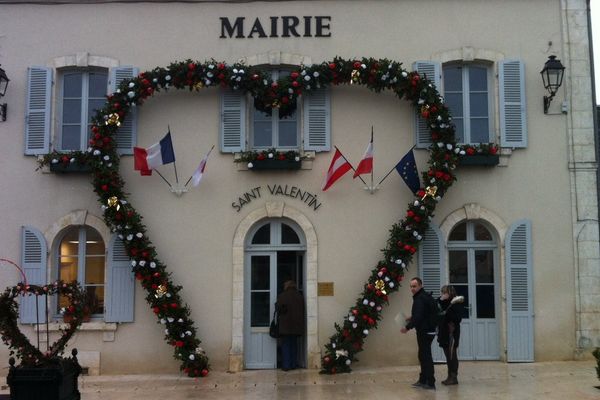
[(407, 168)]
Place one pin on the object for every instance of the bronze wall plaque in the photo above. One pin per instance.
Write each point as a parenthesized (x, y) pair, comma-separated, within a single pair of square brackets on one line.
[(325, 288)]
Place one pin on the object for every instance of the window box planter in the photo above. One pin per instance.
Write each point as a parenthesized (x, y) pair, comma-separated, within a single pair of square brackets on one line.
[(70, 168), (273, 164), (489, 160), (56, 381)]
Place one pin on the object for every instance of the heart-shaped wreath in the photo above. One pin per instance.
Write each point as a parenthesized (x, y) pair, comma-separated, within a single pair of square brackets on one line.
[(17, 342), (405, 236)]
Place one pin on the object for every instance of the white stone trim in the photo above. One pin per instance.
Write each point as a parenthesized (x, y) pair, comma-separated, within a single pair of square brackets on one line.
[(83, 60), (474, 211), (274, 209), (276, 57)]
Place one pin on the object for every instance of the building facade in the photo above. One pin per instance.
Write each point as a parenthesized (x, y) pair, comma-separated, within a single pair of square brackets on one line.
[(518, 238)]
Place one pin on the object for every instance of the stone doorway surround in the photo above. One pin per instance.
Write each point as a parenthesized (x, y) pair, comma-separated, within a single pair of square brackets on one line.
[(274, 209)]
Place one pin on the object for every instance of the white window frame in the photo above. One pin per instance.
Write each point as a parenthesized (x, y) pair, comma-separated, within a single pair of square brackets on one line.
[(85, 122), (81, 261), (275, 121), (466, 117)]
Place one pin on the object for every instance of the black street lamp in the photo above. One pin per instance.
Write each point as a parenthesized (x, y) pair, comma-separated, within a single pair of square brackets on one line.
[(3, 85), (552, 75)]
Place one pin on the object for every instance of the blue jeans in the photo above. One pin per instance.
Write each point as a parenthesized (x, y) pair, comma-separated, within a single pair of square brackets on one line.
[(289, 351)]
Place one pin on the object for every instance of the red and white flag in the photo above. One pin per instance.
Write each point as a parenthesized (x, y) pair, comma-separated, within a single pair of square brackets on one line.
[(366, 164), (338, 167), (197, 176)]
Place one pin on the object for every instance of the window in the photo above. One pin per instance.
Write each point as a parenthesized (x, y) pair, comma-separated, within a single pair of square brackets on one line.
[(81, 257), (87, 253), (79, 92), (467, 94), (271, 131), (307, 129), (82, 92)]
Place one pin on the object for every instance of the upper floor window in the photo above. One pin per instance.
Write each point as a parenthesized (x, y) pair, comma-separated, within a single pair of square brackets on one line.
[(269, 131), (82, 92), (79, 92), (467, 95), (81, 257), (308, 128)]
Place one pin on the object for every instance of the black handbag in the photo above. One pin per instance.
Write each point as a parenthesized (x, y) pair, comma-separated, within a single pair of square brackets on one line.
[(274, 327)]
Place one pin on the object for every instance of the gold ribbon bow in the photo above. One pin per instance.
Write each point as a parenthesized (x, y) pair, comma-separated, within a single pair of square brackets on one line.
[(380, 285), (429, 191), (161, 291), (113, 119), (113, 201)]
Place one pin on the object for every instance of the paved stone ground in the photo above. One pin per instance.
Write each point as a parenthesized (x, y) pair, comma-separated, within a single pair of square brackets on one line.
[(570, 380)]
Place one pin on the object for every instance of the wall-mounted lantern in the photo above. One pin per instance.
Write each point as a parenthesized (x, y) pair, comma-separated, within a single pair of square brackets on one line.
[(3, 85), (552, 75)]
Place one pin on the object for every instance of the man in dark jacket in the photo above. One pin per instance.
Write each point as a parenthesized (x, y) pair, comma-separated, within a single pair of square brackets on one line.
[(420, 319), (290, 306)]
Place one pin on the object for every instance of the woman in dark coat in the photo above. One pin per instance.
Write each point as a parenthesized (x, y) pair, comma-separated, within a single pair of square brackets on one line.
[(290, 306), (449, 330)]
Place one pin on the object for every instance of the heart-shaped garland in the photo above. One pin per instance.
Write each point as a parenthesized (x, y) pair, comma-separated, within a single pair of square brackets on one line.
[(405, 236), (17, 342)]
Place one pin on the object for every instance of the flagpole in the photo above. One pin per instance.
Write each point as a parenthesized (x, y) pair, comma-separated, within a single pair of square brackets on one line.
[(353, 169), (373, 166), (174, 161), (163, 178), (394, 167)]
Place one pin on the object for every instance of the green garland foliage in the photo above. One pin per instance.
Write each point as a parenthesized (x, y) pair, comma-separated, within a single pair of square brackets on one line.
[(377, 75)]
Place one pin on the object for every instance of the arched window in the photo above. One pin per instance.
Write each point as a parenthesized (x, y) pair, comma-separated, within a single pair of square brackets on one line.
[(82, 257)]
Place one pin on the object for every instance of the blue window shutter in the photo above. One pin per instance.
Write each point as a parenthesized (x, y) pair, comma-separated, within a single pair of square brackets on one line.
[(519, 293), (317, 120), (126, 136), (233, 121), (431, 260), (33, 261), (37, 117), (513, 113), (120, 291), (432, 71), (431, 272)]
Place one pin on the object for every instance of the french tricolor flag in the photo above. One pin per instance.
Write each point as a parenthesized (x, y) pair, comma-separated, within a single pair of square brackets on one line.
[(161, 153)]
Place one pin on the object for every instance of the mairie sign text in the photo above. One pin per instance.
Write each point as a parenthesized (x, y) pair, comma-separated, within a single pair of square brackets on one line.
[(274, 27), (294, 192)]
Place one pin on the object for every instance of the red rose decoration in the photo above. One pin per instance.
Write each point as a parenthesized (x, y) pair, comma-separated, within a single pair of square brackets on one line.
[(294, 75), (104, 187), (221, 66), (493, 150), (191, 66), (331, 66), (204, 372), (156, 310), (356, 65)]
